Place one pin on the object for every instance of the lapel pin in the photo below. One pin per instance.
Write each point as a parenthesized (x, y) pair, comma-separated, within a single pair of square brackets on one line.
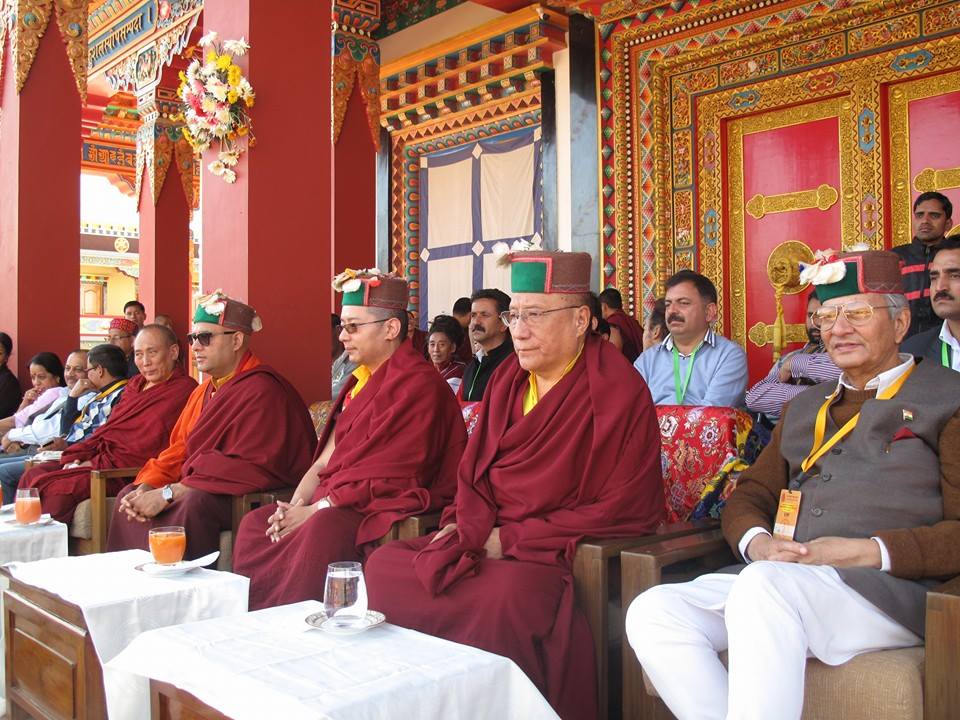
[(907, 416)]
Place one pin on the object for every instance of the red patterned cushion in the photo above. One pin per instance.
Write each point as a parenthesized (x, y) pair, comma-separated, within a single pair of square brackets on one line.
[(471, 413), (320, 413), (696, 442)]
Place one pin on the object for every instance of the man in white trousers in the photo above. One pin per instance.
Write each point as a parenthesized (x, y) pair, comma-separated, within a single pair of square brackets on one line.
[(846, 519)]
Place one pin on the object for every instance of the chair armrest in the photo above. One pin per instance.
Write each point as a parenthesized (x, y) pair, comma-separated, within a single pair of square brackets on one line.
[(606, 548), (941, 692), (417, 526), (242, 504), (112, 473)]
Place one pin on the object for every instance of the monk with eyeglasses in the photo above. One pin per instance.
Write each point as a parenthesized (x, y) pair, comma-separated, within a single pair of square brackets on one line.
[(243, 430), (389, 451)]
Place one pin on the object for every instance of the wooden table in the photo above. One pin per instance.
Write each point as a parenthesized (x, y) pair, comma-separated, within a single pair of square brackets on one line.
[(52, 669)]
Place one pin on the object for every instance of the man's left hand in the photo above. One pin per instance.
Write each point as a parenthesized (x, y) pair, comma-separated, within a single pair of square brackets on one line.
[(10, 446), (492, 545), (148, 505), (843, 552), (786, 373)]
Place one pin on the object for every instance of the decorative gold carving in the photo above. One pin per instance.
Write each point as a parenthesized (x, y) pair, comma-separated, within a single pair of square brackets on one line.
[(344, 76), (899, 98), (33, 16), (185, 159), (762, 334), (72, 20), (929, 179), (823, 197), (783, 266)]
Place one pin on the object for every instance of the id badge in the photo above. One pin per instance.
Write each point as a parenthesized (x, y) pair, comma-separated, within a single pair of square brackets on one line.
[(785, 526)]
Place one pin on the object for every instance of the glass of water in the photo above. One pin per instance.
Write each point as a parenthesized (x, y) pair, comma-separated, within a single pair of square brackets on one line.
[(345, 595)]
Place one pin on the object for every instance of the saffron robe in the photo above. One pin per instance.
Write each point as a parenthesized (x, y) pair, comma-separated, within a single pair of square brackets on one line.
[(398, 444), (252, 434), (584, 462), (630, 330), (137, 429)]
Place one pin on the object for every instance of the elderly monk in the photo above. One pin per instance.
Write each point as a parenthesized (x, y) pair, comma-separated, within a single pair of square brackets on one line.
[(555, 457), (137, 428), (871, 466), (244, 430), (390, 451)]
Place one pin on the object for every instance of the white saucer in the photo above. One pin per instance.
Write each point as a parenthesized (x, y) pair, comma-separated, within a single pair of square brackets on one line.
[(44, 520), (152, 568), (330, 625)]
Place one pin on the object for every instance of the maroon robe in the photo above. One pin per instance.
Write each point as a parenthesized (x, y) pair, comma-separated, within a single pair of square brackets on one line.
[(253, 434), (398, 443), (630, 331), (585, 462), (137, 429)]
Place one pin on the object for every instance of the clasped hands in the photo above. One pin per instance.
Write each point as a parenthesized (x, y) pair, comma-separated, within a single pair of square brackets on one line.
[(492, 545), (288, 517), (836, 551), (143, 503)]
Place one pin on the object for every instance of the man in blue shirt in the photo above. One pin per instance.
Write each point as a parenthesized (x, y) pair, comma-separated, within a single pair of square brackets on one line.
[(693, 365)]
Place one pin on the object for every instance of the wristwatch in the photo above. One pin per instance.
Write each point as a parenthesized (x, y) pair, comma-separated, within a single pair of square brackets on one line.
[(167, 493)]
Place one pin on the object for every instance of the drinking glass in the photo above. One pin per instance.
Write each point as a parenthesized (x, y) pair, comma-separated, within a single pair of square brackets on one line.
[(168, 544), (345, 595), (26, 506)]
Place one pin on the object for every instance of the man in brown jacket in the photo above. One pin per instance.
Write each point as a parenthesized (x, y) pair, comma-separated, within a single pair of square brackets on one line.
[(846, 519)]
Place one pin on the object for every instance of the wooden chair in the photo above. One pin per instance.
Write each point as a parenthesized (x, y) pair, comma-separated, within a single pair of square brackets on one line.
[(884, 685)]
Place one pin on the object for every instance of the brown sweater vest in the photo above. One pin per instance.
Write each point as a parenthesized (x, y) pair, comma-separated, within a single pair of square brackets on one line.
[(896, 477)]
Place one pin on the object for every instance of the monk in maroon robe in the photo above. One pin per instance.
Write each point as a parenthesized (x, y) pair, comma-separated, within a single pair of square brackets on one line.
[(390, 451), (631, 332), (566, 447), (137, 429), (244, 430)]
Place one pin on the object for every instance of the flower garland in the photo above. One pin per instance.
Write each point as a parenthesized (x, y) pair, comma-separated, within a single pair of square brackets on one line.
[(350, 280), (217, 98)]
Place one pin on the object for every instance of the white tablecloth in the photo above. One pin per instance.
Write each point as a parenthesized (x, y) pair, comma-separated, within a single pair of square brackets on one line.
[(119, 602), (25, 543), (270, 664)]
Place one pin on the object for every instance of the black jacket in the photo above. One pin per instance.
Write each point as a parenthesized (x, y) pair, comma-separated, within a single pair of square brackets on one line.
[(478, 372), (916, 257), (925, 344)]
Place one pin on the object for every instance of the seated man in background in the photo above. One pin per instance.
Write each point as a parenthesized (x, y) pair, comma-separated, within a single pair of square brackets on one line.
[(867, 473), (655, 328), (942, 344), (555, 457), (794, 372), (121, 335), (461, 311), (244, 430), (389, 451), (136, 429), (444, 339), (491, 336), (631, 334), (693, 365)]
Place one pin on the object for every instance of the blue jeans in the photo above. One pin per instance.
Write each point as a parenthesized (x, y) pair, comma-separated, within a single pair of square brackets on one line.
[(11, 468)]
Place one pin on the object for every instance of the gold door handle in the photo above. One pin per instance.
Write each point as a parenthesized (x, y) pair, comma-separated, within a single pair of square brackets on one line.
[(783, 271)]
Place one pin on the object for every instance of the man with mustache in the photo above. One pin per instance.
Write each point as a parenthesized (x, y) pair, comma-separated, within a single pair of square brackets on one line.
[(940, 344), (693, 365), (491, 335), (932, 218), (866, 471), (794, 372)]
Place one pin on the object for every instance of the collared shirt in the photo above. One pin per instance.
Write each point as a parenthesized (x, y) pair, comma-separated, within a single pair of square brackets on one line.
[(947, 337), (97, 411), (807, 366), (363, 375), (46, 427), (719, 375)]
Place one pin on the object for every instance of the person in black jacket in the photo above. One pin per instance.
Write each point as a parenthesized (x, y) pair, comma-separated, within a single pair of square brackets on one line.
[(941, 343), (932, 218), (493, 337), (10, 391)]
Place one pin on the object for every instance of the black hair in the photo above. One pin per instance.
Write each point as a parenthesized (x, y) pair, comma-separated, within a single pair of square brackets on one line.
[(51, 363), (449, 326), (462, 306), (939, 197), (498, 296), (134, 303), (705, 287), (110, 358), (6, 342), (658, 317), (948, 243), (612, 298)]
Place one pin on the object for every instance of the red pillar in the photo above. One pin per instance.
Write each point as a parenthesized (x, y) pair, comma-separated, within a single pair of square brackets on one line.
[(355, 190), (267, 237), (40, 205)]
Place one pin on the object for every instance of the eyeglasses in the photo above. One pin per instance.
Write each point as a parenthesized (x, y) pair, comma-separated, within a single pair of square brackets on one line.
[(350, 327), (530, 317), (204, 338), (90, 369), (114, 338), (856, 313)]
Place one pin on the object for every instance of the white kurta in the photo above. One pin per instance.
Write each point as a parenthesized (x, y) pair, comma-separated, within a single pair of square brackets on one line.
[(771, 618)]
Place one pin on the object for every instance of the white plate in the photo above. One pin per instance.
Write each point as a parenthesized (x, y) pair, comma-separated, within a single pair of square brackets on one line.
[(44, 520), (330, 625), (152, 568)]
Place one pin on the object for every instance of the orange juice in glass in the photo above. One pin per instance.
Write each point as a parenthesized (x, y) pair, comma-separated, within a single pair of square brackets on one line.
[(167, 544), (26, 507)]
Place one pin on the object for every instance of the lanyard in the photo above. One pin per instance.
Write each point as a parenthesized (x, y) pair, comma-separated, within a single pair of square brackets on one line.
[(680, 390), (945, 358), (100, 396), (819, 447)]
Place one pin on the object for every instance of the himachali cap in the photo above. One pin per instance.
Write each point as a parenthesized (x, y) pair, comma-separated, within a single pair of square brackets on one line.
[(219, 309), (128, 326), (543, 271), (371, 288), (853, 273)]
